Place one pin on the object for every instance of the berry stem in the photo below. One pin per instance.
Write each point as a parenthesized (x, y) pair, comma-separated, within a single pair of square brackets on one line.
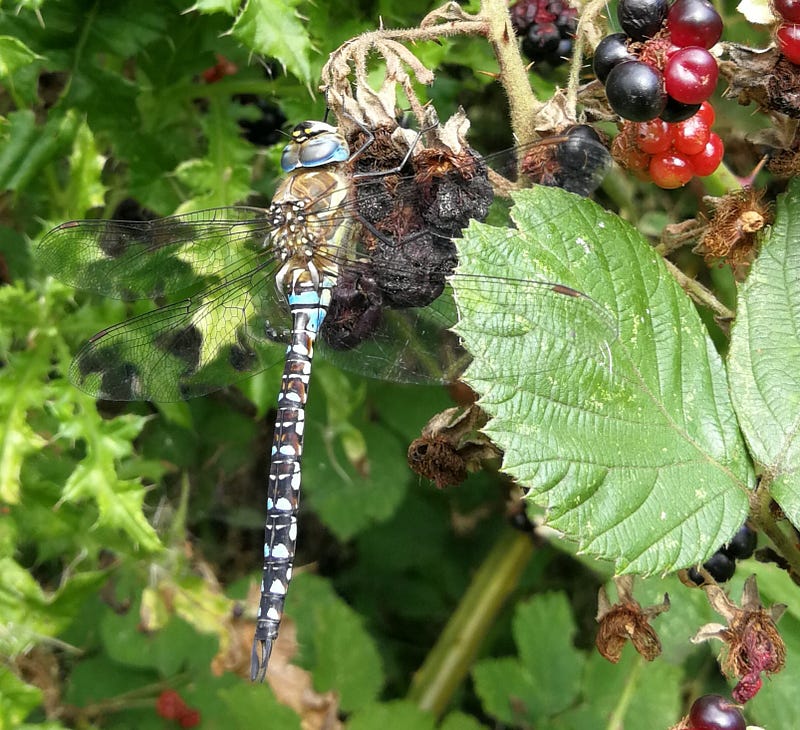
[(616, 718), (721, 182), (699, 293)]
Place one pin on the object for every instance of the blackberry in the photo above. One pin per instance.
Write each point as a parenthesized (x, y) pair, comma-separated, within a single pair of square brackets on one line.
[(720, 566), (677, 111), (742, 544), (546, 28), (635, 91), (642, 19), (611, 51)]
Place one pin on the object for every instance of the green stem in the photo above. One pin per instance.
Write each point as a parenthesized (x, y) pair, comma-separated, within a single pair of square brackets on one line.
[(450, 660), (523, 104), (616, 720), (761, 514)]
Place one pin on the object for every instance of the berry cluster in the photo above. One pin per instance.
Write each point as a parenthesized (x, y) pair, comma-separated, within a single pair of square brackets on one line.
[(714, 712), (546, 27), (788, 33), (722, 564), (670, 154), (170, 706), (660, 65)]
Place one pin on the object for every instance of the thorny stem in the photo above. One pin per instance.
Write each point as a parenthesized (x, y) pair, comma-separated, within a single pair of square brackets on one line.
[(588, 17), (522, 102), (762, 516)]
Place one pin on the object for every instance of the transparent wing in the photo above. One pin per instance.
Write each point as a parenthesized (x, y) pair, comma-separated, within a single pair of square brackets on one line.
[(188, 348), (418, 345)]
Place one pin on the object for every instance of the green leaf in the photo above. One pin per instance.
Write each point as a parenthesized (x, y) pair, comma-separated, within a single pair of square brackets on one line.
[(215, 6), (27, 148), (85, 189), (546, 678), (557, 681), (351, 491), (614, 413), (273, 28), (764, 358), (17, 699), (398, 715), (14, 54), (345, 658)]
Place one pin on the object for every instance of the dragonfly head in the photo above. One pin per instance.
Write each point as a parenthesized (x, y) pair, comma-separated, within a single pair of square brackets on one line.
[(314, 144)]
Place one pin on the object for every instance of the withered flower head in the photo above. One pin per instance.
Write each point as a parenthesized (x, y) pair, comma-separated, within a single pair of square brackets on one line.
[(732, 232), (753, 644), (627, 621)]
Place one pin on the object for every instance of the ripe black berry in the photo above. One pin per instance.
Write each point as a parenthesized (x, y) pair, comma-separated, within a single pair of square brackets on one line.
[(676, 111), (714, 712), (742, 544), (719, 565), (635, 91), (694, 23), (642, 19), (546, 27), (612, 50)]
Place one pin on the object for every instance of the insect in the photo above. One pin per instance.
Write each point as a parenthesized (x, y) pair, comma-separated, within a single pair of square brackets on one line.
[(351, 256)]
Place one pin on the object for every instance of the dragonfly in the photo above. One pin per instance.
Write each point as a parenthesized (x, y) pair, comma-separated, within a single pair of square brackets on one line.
[(353, 257)]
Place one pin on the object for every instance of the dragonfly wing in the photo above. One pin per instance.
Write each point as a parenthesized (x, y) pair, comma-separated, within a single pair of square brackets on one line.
[(149, 259), (421, 345), (185, 349)]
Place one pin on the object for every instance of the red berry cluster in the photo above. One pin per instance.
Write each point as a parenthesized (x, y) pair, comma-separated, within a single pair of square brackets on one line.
[(714, 712), (788, 33), (670, 154), (170, 706), (546, 27), (660, 65)]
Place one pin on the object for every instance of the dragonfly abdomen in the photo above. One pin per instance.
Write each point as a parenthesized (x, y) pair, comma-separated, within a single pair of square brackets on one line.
[(308, 303)]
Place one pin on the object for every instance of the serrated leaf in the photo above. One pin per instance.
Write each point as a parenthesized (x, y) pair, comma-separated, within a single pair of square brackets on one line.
[(273, 28), (215, 6), (13, 55), (764, 358), (545, 679), (544, 627), (615, 414)]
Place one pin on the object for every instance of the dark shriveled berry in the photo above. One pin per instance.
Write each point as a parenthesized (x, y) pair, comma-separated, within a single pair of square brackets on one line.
[(742, 544), (611, 51), (635, 91), (642, 19), (714, 712)]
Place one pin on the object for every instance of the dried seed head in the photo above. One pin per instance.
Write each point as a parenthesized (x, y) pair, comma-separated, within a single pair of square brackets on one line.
[(732, 232), (752, 642), (627, 621)]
